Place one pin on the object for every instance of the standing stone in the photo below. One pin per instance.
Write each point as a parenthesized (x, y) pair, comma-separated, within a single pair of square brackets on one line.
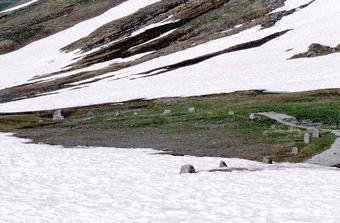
[(58, 116), (167, 112), (252, 116), (307, 138), (188, 169), (90, 115), (231, 113), (117, 114), (191, 110), (316, 133), (295, 151), (223, 164), (268, 160)]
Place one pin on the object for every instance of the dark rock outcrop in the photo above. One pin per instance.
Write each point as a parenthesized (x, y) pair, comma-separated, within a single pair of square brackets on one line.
[(316, 50)]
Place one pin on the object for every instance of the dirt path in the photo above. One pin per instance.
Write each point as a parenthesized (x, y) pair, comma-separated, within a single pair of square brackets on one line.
[(329, 157)]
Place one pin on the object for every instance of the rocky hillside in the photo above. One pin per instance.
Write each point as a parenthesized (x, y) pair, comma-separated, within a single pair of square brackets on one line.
[(110, 51)]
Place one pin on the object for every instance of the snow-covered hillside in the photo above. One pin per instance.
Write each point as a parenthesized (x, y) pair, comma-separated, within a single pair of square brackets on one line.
[(266, 66), (41, 183)]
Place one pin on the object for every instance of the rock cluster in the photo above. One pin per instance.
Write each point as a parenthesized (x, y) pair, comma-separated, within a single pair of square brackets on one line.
[(316, 50)]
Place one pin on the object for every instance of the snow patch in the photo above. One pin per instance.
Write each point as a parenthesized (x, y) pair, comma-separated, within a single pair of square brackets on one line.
[(42, 183)]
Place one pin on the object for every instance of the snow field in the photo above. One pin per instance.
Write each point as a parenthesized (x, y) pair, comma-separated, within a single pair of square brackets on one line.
[(41, 183)]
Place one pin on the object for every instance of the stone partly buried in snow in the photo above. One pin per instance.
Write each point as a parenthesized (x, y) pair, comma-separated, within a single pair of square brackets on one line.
[(58, 116), (223, 164), (337, 165), (187, 169), (222, 168), (267, 160)]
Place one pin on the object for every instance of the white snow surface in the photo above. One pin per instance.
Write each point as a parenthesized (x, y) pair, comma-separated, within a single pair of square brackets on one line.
[(19, 6), (266, 67), (42, 183)]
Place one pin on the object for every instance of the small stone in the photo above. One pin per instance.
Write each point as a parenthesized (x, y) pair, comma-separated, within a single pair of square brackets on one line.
[(187, 169), (223, 164), (252, 116), (295, 151), (291, 129), (316, 133), (307, 138), (191, 110), (167, 112), (90, 115), (268, 160), (336, 165), (58, 116), (116, 114), (135, 113), (231, 113)]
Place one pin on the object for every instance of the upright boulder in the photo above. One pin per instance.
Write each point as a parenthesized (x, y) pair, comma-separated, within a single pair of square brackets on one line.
[(58, 116), (295, 151), (191, 110), (167, 112), (231, 113), (316, 133), (307, 138)]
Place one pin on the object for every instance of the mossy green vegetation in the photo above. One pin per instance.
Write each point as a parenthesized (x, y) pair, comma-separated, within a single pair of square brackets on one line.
[(220, 126)]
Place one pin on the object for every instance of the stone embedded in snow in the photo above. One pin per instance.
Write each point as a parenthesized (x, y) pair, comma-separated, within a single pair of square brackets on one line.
[(316, 133), (268, 160), (252, 116), (337, 165), (191, 110), (231, 113), (223, 164), (187, 169), (315, 50), (295, 151), (167, 112), (58, 116), (307, 138)]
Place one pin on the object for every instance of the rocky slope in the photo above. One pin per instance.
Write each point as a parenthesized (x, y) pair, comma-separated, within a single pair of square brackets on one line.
[(155, 43)]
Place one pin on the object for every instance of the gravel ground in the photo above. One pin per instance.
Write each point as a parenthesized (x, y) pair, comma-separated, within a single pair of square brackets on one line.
[(330, 157)]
